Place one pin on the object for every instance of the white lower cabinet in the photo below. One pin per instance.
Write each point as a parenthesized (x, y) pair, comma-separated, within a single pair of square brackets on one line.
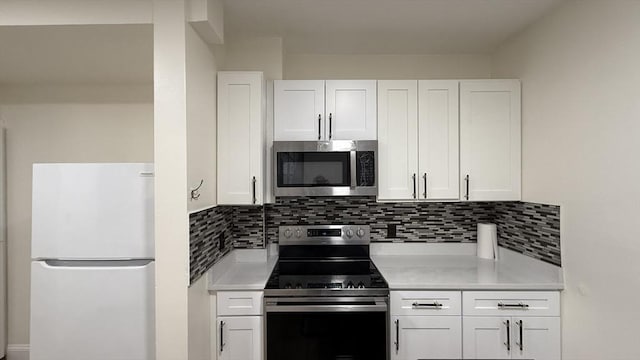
[(239, 325), (511, 325), (426, 337), (485, 338), (240, 338), (475, 325), (540, 338), (492, 337), (426, 325)]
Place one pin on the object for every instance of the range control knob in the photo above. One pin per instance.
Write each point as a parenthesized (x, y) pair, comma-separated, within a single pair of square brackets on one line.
[(287, 286), (350, 285), (298, 286), (288, 233), (360, 285), (360, 232), (349, 233), (298, 233)]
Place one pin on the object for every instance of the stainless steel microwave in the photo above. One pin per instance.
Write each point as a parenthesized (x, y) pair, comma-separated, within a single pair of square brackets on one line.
[(325, 168)]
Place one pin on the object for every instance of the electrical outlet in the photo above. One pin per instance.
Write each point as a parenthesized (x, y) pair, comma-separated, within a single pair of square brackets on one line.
[(221, 244), (391, 231)]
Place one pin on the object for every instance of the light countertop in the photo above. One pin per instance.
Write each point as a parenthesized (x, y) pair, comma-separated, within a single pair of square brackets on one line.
[(242, 269), (407, 266), (456, 267)]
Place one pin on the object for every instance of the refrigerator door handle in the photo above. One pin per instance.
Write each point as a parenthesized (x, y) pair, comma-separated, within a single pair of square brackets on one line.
[(97, 263)]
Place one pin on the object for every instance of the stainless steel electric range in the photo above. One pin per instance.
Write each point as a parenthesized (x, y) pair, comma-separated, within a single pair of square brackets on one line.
[(325, 299)]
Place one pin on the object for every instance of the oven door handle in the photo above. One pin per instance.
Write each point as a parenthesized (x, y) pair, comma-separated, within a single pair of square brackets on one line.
[(326, 308), (275, 306)]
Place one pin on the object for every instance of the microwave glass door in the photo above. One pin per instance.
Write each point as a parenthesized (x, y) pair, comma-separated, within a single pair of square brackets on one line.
[(314, 169)]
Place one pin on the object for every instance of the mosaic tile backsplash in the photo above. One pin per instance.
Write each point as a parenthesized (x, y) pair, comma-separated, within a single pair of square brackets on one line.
[(421, 222), (531, 229), (207, 229)]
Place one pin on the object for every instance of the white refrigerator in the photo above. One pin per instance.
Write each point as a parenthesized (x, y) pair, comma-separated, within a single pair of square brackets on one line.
[(92, 268)]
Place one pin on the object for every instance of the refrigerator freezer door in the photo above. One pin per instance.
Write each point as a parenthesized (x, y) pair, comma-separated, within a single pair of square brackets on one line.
[(92, 211), (92, 312)]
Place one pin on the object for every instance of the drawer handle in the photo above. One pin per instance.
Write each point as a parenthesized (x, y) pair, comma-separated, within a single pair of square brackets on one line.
[(433, 305), (518, 306)]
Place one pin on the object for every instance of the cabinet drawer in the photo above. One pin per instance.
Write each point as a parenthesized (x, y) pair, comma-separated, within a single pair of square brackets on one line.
[(425, 303), (511, 303), (239, 303)]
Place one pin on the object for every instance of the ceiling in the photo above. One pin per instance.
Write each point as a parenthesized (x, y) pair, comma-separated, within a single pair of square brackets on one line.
[(384, 26), (81, 54)]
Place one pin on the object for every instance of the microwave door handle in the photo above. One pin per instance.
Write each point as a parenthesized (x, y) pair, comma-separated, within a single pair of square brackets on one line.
[(353, 170)]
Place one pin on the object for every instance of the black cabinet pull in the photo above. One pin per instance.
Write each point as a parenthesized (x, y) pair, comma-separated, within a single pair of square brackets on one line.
[(508, 343), (221, 336), (397, 335), (330, 125), (466, 179), (521, 338), (319, 125), (425, 184), (253, 188), (414, 185)]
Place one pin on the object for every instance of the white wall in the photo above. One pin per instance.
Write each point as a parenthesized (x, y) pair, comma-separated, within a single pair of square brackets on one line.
[(581, 142), (200, 339), (201, 161), (253, 54), (80, 131), (171, 187), (314, 66), (201, 120)]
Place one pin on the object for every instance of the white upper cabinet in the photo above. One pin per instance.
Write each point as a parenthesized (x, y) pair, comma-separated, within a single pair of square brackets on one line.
[(307, 110), (490, 139), (397, 139), (241, 140), (438, 139), (350, 110), (299, 110), (418, 139)]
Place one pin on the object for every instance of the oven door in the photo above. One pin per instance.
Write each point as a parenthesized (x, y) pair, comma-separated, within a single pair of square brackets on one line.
[(327, 328), (324, 168)]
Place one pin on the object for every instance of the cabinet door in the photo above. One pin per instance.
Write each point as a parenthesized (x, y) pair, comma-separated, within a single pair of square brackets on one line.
[(240, 338), (397, 139), (486, 337), (490, 139), (350, 110), (298, 110), (240, 138), (438, 133), (426, 337), (536, 338)]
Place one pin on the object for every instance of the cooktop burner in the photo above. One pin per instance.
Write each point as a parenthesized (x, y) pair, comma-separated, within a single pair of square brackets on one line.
[(325, 260)]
